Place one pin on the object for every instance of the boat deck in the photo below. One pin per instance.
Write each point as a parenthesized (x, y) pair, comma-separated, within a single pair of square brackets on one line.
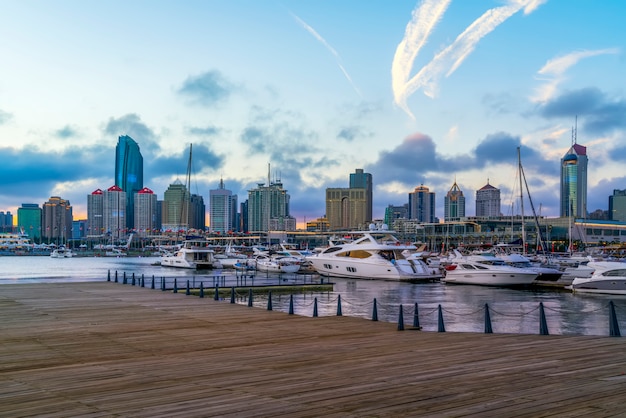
[(105, 349)]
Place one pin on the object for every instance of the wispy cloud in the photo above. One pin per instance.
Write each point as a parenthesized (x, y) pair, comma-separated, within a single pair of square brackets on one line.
[(332, 50), (553, 72), (425, 19)]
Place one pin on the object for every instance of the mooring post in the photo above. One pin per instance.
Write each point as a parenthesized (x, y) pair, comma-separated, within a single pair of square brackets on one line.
[(339, 306), (109, 275), (488, 329), (217, 293), (115, 276), (401, 320), (440, 326), (416, 318), (543, 324), (232, 294), (188, 291), (133, 279), (250, 297), (269, 300), (124, 281), (152, 285), (315, 308), (143, 282), (291, 305), (163, 284), (613, 324), (201, 290), (175, 286), (374, 312)]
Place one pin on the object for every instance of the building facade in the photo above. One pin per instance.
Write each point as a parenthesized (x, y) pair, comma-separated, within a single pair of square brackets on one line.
[(95, 213), (56, 220), (488, 202), (617, 206), (128, 173), (197, 213), (422, 204), (29, 220), (222, 209), (6, 221), (362, 180), (175, 207), (145, 212), (454, 204), (268, 208), (114, 212), (574, 182), (351, 208)]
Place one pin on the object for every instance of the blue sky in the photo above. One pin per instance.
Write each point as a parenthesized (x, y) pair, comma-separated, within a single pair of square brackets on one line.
[(413, 92)]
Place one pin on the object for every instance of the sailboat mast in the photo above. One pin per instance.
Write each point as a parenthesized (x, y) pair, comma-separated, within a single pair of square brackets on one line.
[(187, 193), (521, 198)]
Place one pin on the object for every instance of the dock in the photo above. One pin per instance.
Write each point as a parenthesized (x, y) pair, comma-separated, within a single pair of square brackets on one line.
[(103, 349)]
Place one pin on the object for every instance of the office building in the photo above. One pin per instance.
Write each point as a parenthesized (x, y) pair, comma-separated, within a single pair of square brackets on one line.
[(29, 220), (361, 180), (223, 209), (197, 213), (422, 205), (6, 222), (574, 182), (350, 208), (145, 212), (488, 201), (454, 204), (95, 213), (56, 221), (175, 207), (617, 206), (128, 173), (114, 212), (268, 208), (395, 212)]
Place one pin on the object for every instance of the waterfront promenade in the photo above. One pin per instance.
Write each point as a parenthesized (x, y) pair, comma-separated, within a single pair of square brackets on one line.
[(105, 349)]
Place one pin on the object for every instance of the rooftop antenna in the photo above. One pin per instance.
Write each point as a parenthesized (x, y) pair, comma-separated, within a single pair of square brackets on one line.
[(268, 175), (575, 130)]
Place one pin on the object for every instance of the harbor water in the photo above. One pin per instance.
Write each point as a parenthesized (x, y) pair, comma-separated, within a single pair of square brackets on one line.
[(456, 308)]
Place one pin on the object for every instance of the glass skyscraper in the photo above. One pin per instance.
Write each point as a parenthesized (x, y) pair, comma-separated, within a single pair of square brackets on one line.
[(454, 204), (128, 173), (574, 182)]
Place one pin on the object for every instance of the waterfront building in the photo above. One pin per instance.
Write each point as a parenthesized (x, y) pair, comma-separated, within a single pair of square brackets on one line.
[(454, 204), (422, 205), (350, 208), (145, 212), (268, 208), (574, 182), (617, 206), (222, 209), (29, 220), (57, 220), (243, 216), (128, 173), (197, 213), (318, 225), (175, 208), (79, 229), (396, 212), (6, 222), (114, 212), (95, 213), (488, 201)]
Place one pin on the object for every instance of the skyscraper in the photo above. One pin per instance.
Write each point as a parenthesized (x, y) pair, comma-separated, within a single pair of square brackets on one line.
[(145, 212), (488, 201), (221, 204), (422, 205), (95, 213), (268, 208), (617, 206), (175, 207), (574, 182), (29, 219), (361, 180), (350, 208), (454, 204), (114, 212), (57, 220), (128, 173)]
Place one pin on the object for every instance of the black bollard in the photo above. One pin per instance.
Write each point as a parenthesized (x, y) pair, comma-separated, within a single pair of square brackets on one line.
[(115, 276), (315, 308), (401, 320), (109, 276), (375, 312), (143, 282), (339, 306), (613, 324), (440, 326), (133, 280), (232, 294), (175, 286), (291, 305), (188, 291), (488, 329), (250, 297), (416, 318), (124, 281), (543, 324), (163, 284), (217, 293), (201, 290), (152, 285), (269, 300)]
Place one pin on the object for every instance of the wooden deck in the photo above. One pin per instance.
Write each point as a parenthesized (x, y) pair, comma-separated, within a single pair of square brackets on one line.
[(105, 349)]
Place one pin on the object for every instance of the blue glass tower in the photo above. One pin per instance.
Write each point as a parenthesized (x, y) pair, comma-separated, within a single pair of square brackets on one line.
[(128, 173), (574, 182)]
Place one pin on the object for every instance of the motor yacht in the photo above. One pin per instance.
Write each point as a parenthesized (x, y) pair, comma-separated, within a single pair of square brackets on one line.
[(193, 254), (277, 263), (609, 277), (485, 270), (61, 252), (546, 274)]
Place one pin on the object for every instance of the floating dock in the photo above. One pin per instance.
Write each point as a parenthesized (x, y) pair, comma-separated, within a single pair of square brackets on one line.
[(103, 349)]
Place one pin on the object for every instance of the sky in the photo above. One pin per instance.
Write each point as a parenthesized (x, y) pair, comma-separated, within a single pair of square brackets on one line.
[(413, 92)]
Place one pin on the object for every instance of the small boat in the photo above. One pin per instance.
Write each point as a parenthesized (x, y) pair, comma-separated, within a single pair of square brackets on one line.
[(609, 277), (193, 254), (546, 274), (61, 252), (229, 258), (485, 270), (277, 264)]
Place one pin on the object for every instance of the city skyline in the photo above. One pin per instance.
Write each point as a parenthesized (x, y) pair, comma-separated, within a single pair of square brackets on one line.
[(414, 92)]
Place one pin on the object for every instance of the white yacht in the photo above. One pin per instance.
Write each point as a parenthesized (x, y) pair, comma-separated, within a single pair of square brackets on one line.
[(61, 252), (375, 254), (486, 270), (546, 274), (277, 263), (609, 277), (191, 255), (229, 257)]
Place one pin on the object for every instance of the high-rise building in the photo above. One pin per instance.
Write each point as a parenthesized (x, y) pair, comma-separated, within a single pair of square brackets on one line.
[(617, 206), (175, 208), (95, 213), (268, 208), (29, 220), (6, 222), (57, 220), (574, 182), (197, 213), (223, 206), (114, 212), (396, 212), (454, 204), (488, 201), (128, 173), (350, 208), (145, 212), (422, 205)]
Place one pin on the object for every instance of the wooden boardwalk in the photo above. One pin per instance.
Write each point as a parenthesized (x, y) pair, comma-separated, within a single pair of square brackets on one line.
[(105, 349)]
